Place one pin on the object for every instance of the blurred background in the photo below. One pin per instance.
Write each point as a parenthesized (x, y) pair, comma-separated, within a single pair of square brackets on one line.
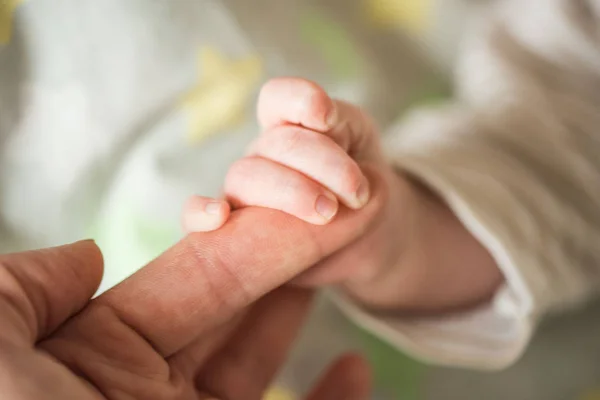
[(156, 113)]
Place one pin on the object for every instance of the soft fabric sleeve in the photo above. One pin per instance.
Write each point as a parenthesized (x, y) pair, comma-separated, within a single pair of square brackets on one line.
[(517, 158)]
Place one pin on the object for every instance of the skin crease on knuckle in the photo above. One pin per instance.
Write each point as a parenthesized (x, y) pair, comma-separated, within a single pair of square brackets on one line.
[(224, 274), (275, 244), (13, 294), (114, 359), (94, 343), (286, 143)]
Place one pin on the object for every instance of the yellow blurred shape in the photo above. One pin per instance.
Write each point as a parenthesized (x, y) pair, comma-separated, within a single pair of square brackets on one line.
[(412, 15), (592, 395), (7, 9), (279, 393), (221, 98)]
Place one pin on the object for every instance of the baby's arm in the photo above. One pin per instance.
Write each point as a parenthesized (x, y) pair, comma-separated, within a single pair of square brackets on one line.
[(517, 158)]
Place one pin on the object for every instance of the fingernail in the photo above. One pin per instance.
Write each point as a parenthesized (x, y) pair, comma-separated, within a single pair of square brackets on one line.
[(213, 208), (326, 207), (362, 194)]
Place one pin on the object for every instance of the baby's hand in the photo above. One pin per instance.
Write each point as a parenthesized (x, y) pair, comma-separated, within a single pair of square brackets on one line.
[(313, 156), (306, 161)]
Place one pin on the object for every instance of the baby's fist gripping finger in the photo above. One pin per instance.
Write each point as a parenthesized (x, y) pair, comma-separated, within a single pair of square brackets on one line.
[(295, 165), (302, 163)]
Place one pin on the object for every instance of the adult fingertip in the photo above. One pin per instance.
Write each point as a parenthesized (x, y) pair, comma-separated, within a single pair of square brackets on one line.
[(88, 250)]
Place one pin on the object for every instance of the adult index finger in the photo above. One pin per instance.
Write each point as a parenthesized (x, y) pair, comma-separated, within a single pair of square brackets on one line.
[(208, 277)]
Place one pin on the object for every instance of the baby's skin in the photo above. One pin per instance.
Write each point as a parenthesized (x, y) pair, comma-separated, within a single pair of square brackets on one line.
[(316, 155)]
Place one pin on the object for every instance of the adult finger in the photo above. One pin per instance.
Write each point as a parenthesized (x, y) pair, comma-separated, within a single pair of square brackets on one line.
[(204, 214), (255, 181), (247, 364), (209, 277), (40, 289), (348, 379), (318, 157)]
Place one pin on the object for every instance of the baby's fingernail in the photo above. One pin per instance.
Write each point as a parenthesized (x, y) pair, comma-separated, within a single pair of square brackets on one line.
[(326, 207), (213, 208), (362, 194)]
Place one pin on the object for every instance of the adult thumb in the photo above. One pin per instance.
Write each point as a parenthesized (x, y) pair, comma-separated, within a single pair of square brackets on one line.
[(40, 289)]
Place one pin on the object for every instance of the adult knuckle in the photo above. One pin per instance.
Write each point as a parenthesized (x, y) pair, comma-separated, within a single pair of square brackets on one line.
[(225, 287)]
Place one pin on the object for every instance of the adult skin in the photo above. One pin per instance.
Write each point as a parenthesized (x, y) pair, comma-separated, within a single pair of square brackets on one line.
[(209, 318)]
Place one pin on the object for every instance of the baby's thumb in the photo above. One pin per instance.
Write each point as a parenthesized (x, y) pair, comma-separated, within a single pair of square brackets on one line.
[(204, 214)]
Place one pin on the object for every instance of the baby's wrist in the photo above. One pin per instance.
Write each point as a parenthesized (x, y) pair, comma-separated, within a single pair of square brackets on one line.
[(433, 262), (377, 285)]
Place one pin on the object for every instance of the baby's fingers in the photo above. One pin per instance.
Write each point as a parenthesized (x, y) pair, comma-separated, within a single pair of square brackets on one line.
[(255, 181), (317, 157), (203, 214)]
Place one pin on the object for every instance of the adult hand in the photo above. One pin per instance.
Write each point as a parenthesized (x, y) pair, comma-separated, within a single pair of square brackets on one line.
[(204, 320)]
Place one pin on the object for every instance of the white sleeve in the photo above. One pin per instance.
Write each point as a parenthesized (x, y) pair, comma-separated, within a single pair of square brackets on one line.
[(517, 158)]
